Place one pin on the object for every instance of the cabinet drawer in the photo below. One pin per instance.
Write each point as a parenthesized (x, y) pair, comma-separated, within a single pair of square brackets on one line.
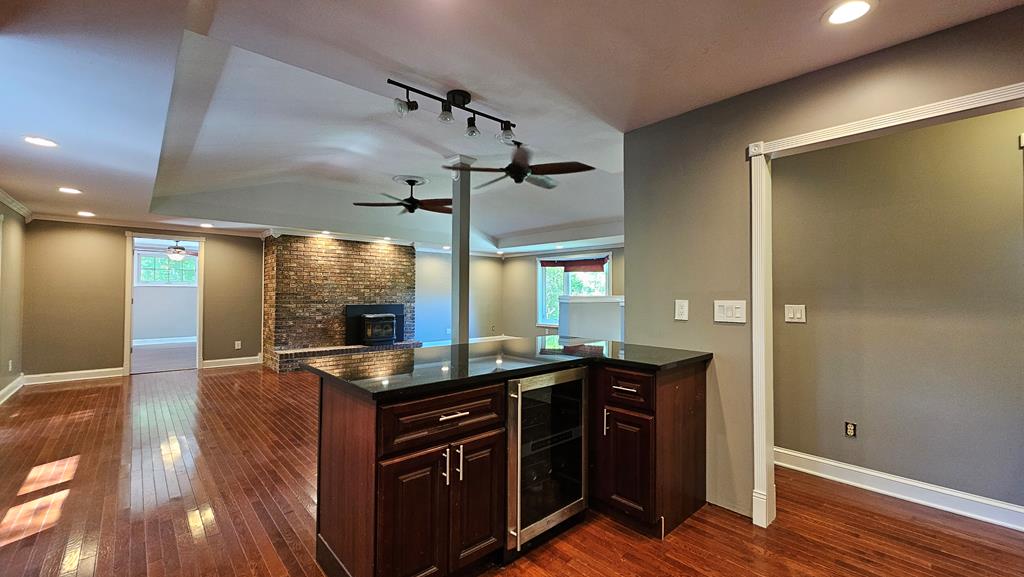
[(414, 424), (628, 389)]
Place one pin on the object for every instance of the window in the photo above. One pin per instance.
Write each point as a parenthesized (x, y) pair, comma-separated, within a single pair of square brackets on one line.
[(585, 275), (154, 268)]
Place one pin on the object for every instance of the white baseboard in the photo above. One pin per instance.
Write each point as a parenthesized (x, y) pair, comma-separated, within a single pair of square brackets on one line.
[(11, 388), (959, 502), (73, 376), (233, 362)]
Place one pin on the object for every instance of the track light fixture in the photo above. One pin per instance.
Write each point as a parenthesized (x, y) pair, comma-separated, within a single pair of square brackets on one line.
[(471, 130), (403, 107), (453, 99), (446, 113), (506, 136)]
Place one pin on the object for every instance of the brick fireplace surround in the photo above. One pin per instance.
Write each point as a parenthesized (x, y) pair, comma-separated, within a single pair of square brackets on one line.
[(308, 281)]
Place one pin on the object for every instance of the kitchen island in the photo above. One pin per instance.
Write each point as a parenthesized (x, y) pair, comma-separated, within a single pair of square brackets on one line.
[(431, 458)]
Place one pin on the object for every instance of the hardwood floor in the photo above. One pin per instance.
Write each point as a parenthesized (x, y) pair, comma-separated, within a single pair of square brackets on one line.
[(163, 357), (212, 473)]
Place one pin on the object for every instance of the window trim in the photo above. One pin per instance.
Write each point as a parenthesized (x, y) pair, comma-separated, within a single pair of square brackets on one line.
[(137, 267), (546, 323)]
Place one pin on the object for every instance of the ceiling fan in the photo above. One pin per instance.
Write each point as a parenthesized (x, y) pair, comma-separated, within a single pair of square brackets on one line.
[(412, 204), (520, 169)]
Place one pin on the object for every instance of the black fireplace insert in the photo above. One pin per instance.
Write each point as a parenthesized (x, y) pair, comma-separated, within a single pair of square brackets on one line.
[(374, 324)]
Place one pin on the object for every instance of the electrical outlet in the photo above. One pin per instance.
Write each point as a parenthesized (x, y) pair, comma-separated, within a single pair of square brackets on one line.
[(238, 345), (851, 429), (682, 310), (10, 365)]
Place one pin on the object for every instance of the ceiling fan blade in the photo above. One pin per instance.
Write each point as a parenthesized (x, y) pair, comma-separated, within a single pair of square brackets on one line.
[(377, 203), (560, 168), (434, 201), (479, 186), (441, 209), (474, 168), (392, 197), (542, 181)]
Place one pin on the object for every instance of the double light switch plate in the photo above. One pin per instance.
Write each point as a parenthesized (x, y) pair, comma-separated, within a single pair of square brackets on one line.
[(796, 313)]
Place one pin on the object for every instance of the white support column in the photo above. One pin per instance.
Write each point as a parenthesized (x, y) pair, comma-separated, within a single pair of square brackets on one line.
[(761, 319), (460, 248)]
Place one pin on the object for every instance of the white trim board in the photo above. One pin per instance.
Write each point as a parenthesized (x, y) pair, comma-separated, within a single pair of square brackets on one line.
[(233, 362), (11, 388), (15, 205), (73, 376), (958, 502)]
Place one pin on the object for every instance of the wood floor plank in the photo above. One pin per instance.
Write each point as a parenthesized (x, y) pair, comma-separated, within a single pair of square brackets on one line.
[(213, 472)]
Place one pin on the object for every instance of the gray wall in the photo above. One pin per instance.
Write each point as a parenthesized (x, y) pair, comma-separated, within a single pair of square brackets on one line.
[(519, 306), (687, 203), (12, 261), (74, 296), (434, 296), (908, 251)]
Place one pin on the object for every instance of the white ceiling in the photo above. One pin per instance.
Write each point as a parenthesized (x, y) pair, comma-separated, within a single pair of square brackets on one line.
[(574, 75)]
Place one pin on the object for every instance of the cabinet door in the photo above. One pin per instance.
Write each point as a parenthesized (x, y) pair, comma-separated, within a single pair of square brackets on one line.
[(477, 497), (626, 463), (412, 514)]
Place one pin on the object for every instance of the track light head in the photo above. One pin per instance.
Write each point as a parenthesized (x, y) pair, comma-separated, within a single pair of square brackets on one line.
[(446, 114), (471, 130), (506, 136), (404, 107)]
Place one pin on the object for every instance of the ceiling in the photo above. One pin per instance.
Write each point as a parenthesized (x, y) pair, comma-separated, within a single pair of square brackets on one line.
[(281, 115)]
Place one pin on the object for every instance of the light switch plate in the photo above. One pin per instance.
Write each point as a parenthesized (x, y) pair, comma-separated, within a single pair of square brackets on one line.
[(682, 310), (731, 312), (238, 345), (796, 313)]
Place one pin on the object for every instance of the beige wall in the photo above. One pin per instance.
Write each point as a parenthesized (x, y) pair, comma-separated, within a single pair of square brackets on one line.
[(519, 306), (12, 263), (74, 296), (687, 204), (434, 300), (908, 251)]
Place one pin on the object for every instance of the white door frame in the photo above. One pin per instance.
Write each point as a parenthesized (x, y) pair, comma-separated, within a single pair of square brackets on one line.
[(760, 155), (129, 285)]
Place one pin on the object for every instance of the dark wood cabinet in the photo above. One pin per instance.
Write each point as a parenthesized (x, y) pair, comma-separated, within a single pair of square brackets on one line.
[(647, 458), (441, 509), (477, 498), (626, 473), (412, 514)]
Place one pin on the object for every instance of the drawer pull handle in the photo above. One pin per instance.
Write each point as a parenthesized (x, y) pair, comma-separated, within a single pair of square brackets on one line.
[(625, 389), (458, 415)]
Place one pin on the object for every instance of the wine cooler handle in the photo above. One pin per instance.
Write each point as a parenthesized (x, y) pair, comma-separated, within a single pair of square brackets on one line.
[(606, 422), (447, 469)]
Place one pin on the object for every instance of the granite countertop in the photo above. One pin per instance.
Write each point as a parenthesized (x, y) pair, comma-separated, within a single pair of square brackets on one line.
[(390, 375)]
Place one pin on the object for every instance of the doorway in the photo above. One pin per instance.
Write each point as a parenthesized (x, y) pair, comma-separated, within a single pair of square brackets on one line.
[(164, 304)]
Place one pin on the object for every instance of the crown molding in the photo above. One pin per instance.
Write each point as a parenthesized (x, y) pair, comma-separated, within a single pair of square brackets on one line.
[(15, 205), (147, 226)]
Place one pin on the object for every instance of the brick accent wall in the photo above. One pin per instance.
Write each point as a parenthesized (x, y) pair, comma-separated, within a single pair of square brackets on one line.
[(307, 281)]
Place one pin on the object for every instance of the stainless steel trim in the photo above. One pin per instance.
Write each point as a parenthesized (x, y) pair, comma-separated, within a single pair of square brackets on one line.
[(553, 519), (626, 389), (550, 379), (447, 463), (514, 483), (460, 414), (460, 451)]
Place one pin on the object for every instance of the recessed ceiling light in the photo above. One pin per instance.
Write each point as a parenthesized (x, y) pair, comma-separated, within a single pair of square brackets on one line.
[(40, 141), (501, 252), (848, 11), (325, 232), (446, 247), (206, 225), (387, 238), (69, 190), (86, 213), (559, 247)]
